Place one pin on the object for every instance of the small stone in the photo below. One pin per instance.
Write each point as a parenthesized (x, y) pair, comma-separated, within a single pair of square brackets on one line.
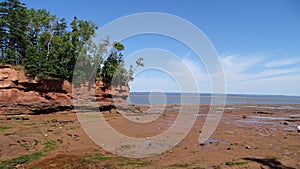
[(60, 141), (244, 116), (285, 123), (170, 151), (8, 134), (248, 147), (50, 130), (185, 148), (202, 144), (46, 135), (229, 148)]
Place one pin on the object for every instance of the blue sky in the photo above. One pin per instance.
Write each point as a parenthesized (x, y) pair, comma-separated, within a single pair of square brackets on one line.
[(258, 42)]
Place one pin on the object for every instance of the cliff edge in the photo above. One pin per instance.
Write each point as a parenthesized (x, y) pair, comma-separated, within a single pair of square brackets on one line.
[(20, 94)]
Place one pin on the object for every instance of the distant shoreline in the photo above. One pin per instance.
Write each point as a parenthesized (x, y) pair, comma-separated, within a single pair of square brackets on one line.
[(205, 98), (216, 94)]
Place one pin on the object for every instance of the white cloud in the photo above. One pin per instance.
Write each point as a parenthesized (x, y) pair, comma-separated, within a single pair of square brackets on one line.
[(279, 80), (243, 74), (282, 63), (276, 72)]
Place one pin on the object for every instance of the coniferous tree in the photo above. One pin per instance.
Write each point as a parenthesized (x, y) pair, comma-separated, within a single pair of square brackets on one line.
[(13, 22), (49, 48)]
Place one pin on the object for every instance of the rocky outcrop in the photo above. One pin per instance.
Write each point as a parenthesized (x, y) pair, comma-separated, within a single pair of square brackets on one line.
[(20, 94)]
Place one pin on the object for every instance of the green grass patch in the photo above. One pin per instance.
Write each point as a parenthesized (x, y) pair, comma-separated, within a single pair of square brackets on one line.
[(101, 157), (2, 128), (114, 161), (17, 118), (8, 164), (57, 132), (29, 124), (49, 145), (180, 165), (236, 163)]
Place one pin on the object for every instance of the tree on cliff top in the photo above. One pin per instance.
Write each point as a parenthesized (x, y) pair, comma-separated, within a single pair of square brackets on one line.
[(13, 29), (49, 47)]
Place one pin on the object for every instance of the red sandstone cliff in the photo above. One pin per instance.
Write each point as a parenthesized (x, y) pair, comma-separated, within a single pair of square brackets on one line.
[(20, 94)]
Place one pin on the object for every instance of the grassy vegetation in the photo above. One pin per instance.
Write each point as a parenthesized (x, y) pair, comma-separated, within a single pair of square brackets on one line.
[(29, 124), (17, 118), (236, 163), (115, 162), (2, 128), (180, 165), (8, 164), (73, 128), (57, 132), (101, 157), (49, 145)]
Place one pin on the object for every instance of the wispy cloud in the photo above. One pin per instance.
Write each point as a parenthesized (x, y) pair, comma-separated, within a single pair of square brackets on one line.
[(252, 75), (243, 74), (276, 72), (282, 63)]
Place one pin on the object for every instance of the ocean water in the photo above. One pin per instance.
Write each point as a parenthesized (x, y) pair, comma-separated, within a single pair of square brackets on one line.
[(193, 98)]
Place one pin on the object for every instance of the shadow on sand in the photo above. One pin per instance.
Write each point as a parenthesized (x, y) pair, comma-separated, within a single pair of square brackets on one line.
[(270, 162)]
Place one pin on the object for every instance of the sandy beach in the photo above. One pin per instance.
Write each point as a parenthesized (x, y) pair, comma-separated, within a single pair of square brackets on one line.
[(248, 136)]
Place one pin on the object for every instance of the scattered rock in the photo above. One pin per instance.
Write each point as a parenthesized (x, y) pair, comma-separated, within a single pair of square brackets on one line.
[(8, 134), (285, 123), (60, 141), (248, 147), (74, 136), (244, 116), (229, 148), (261, 112), (202, 144)]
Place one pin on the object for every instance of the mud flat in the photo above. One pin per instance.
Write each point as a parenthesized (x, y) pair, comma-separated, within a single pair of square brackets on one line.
[(248, 136)]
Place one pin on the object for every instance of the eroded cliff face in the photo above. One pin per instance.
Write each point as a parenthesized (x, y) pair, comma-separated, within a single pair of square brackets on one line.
[(20, 94)]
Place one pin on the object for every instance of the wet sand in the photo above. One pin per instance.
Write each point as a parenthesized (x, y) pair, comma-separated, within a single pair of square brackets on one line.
[(248, 136)]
